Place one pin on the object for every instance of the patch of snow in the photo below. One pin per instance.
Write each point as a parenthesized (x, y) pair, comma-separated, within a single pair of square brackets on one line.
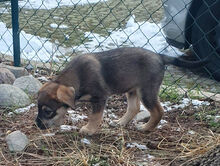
[(54, 25), (32, 47), (85, 141), (139, 34), (75, 117), (217, 119), (42, 78), (168, 106), (178, 129), (142, 107), (191, 132), (67, 128), (3, 10), (48, 134), (131, 21), (185, 101), (112, 115), (56, 17), (150, 156), (134, 144), (63, 26), (209, 116), (49, 4), (22, 110), (199, 103), (162, 123)]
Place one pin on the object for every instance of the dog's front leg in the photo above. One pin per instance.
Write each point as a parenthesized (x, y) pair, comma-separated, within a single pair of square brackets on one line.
[(95, 119)]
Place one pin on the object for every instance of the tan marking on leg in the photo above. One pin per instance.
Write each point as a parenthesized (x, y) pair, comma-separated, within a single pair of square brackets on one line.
[(132, 109), (155, 116), (92, 126)]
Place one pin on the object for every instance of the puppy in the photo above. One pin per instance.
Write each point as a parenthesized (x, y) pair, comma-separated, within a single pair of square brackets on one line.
[(135, 71)]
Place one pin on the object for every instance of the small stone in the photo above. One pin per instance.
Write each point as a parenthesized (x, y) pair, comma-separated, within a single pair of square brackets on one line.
[(6, 76), (11, 96), (17, 71), (28, 84), (142, 116), (17, 141)]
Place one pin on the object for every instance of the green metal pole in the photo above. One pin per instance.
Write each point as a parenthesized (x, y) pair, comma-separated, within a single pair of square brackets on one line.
[(15, 29)]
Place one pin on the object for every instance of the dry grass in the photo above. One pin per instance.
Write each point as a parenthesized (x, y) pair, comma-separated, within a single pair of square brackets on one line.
[(172, 144), (107, 148), (189, 146), (67, 149)]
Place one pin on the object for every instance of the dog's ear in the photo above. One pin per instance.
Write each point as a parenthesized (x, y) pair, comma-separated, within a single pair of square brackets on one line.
[(42, 87), (66, 95)]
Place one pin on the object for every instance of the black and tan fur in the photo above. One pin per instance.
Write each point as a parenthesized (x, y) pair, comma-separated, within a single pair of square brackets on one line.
[(135, 71)]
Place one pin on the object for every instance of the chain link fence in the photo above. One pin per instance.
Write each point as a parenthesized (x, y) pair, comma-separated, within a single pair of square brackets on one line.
[(54, 31)]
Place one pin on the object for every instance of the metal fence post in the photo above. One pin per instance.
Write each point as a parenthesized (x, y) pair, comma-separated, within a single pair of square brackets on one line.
[(15, 28)]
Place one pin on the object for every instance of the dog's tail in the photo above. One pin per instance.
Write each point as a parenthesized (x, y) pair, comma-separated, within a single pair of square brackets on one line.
[(177, 61)]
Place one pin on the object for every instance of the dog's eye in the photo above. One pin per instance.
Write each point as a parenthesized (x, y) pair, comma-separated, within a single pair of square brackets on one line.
[(48, 112)]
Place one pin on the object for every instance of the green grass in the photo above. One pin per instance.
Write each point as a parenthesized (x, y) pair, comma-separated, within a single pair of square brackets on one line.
[(170, 93), (96, 18), (99, 161), (208, 116)]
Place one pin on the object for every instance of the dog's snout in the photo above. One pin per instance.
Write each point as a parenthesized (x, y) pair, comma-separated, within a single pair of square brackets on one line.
[(40, 124)]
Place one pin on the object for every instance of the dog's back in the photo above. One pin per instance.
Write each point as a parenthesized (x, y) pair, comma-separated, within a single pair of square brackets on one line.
[(127, 68), (122, 69)]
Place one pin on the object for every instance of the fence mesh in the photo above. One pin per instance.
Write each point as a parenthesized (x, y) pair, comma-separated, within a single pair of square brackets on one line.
[(54, 31)]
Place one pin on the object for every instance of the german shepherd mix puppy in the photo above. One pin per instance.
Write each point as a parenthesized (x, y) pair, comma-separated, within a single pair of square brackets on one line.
[(135, 71)]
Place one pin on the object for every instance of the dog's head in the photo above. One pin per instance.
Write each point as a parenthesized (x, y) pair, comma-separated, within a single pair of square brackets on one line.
[(53, 101)]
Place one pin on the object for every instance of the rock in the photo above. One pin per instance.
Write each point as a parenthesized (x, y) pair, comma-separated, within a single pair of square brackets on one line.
[(11, 96), (142, 116), (17, 141), (17, 71), (6, 76), (29, 84)]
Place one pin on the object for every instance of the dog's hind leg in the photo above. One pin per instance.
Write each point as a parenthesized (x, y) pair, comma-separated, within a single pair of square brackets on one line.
[(153, 105), (95, 118), (132, 109)]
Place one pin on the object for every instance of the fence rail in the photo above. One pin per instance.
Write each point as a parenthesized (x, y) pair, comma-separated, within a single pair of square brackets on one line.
[(51, 32)]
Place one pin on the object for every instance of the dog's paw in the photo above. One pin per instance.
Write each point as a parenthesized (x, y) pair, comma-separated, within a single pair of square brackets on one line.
[(117, 123), (85, 130), (144, 128)]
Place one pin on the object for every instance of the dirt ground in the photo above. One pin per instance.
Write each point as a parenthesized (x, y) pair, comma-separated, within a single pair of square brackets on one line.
[(184, 140)]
